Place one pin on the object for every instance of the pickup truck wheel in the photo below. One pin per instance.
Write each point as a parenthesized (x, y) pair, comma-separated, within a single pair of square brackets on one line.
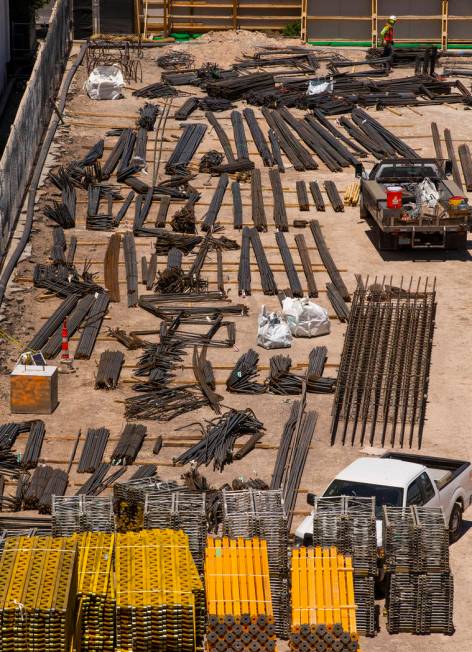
[(455, 523)]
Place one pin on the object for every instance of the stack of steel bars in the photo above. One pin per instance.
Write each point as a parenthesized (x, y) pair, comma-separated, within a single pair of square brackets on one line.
[(109, 370), (92, 452), (383, 376)]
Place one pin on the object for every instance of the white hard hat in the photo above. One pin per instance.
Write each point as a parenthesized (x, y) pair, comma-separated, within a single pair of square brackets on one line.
[(393, 18)]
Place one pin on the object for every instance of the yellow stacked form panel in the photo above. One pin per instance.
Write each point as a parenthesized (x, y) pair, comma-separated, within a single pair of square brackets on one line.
[(159, 594), (239, 601), (37, 593), (323, 607)]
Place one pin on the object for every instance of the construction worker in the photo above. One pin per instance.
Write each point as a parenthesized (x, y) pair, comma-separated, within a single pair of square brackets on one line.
[(387, 36)]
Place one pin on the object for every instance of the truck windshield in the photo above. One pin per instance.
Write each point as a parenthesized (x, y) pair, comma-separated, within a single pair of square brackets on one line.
[(392, 496)]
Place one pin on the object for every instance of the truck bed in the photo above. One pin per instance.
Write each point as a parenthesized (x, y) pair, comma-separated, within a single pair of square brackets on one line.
[(443, 470)]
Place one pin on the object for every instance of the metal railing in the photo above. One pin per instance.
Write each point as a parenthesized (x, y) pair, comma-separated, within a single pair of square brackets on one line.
[(31, 120)]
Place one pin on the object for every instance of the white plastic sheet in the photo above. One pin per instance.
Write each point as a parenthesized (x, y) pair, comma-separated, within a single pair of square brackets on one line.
[(105, 83)]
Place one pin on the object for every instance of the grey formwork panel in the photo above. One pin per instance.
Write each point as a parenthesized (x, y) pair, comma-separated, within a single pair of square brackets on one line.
[(412, 29), (343, 20), (459, 28)]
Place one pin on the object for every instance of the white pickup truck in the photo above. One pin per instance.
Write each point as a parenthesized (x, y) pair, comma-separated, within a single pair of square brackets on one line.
[(401, 479)]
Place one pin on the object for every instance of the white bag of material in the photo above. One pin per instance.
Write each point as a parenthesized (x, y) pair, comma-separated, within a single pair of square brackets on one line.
[(426, 194), (305, 318), (317, 87), (105, 83), (273, 331)]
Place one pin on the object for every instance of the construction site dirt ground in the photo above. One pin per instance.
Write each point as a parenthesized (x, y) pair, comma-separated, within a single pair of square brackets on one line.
[(449, 412)]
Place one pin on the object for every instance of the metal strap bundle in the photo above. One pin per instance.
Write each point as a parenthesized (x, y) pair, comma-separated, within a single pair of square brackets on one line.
[(185, 149), (238, 593), (158, 591), (37, 593), (92, 452), (383, 376), (30, 457), (323, 603), (268, 284), (219, 438), (292, 274), (109, 369), (129, 444), (328, 261)]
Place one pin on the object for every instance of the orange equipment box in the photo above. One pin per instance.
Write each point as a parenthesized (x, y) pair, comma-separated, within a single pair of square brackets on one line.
[(33, 389)]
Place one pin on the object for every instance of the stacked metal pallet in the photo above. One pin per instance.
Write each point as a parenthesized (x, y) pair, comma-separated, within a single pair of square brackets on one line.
[(129, 498), (348, 523), (37, 593), (95, 629), (253, 513), (323, 604), (81, 513), (160, 601), (239, 602), (421, 588)]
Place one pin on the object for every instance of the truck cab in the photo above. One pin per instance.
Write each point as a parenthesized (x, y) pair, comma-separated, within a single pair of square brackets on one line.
[(400, 480)]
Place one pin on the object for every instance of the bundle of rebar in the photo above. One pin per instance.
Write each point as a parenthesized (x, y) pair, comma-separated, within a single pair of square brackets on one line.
[(92, 452), (244, 273), (219, 438), (334, 196), (241, 378), (237, 205), (280, 212), (109, 369), (91, 327), (153, 91), (292, 274), (185, 149), (297, 154), (328, 261), (323, 618), (306, 264), (268, 284), (75, 319), (129, 444), (210, 160), (232, 619), (317, 196), (340, 306), (239, 135), (39, 587), (60, 214), (257, 200), (175, 59), (30, 457), (384, 370), (236, 87), (10, 431), (215, 204), (147, 116), (258, 137)]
